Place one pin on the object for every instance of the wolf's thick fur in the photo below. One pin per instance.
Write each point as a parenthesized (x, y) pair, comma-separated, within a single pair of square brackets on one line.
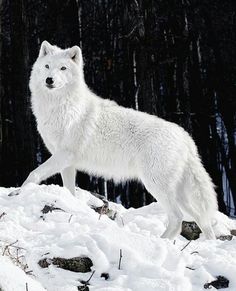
[(85, 132)]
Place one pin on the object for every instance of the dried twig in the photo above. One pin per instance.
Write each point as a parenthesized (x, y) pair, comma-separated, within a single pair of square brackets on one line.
[(70, 218), (193, 253), (12, 252), (26, 287), (192, 269), (185, 245), (87, 282), (3, 214), (120, 259), (45, 254), (121, 218), (50, 208), (7, 247), (102, 211)]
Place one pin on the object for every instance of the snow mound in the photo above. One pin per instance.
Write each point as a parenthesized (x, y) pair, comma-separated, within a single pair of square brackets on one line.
[(148, 262)]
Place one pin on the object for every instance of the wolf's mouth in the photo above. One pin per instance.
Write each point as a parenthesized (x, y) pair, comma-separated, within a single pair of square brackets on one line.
[(50, 86)]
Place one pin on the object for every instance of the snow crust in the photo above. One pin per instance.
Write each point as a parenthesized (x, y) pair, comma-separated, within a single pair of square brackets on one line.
[(148, 262)]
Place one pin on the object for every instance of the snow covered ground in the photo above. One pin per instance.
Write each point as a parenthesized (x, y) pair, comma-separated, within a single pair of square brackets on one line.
[(149, 263)]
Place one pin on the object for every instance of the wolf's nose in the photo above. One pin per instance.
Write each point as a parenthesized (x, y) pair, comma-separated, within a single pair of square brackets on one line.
[(49, 81)]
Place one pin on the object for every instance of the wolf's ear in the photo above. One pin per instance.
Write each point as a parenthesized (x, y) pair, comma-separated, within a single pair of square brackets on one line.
[(75, 54), (45, 49)]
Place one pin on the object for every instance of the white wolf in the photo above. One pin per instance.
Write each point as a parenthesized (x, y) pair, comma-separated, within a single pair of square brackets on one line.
[(87, 133)]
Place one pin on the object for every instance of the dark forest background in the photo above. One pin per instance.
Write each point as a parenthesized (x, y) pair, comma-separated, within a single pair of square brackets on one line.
[(172, 58)]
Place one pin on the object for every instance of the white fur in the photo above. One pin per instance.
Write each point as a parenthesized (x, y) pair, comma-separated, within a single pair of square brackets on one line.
[(84, 132)]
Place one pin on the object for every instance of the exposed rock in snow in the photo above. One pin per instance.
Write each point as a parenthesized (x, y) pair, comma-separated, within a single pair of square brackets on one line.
[(190, 230), (77, 264)]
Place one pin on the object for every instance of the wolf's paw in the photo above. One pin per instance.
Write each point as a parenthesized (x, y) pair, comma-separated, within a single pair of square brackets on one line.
[(33, 177)]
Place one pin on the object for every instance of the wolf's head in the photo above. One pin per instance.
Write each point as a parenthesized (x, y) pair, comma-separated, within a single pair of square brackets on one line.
[(56, 69)]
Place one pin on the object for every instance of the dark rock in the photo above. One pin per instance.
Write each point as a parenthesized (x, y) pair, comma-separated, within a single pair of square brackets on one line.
[(220, 283), (233, 232), (44, 263), (106, 276), (225, 237), (190, 230), (77, 264)]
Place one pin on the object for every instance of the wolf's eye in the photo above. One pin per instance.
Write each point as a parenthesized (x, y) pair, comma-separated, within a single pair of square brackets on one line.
[(47, 66), (63, 68)]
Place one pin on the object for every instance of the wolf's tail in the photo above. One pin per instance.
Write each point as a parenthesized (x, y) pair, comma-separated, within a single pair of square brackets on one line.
[(202, 196), (199, 196)]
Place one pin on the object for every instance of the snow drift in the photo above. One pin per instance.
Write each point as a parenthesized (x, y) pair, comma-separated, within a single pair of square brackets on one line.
[(74, 229)]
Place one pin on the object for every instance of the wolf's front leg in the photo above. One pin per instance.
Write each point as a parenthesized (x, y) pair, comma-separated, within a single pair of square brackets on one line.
[(68, 177), (55, 164)]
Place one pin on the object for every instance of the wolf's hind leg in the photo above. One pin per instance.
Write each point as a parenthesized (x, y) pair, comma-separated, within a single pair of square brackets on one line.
[(168, 202), (175, 218), (68, 178), (55, 164)]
